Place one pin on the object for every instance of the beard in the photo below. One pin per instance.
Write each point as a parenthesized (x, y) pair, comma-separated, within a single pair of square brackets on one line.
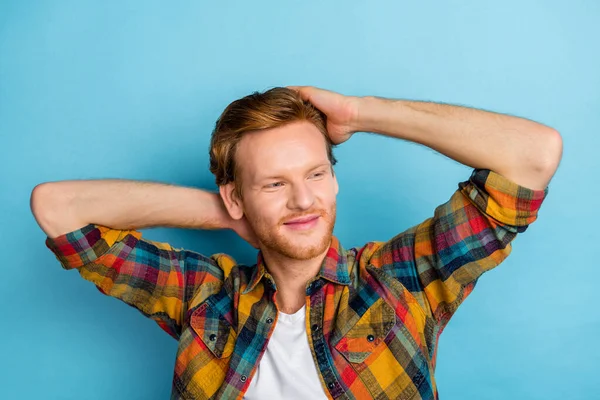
[(274, 240)]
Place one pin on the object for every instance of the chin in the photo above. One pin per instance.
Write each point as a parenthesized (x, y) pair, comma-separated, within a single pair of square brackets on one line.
[(297, 244), (303, 252), (305, 246)]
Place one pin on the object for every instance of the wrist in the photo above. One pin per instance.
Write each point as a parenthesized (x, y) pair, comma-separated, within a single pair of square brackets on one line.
[(209, 211), (366, 118), (388, 117)]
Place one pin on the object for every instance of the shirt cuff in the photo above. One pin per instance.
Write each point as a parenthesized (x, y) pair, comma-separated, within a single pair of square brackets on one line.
[(502, 199), (84, 245)]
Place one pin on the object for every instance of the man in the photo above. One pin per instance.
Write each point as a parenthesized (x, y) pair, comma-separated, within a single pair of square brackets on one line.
[(311, 319)]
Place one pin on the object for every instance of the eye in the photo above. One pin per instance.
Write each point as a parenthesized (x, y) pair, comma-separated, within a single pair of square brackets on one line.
[(274, 185), (318, 174)]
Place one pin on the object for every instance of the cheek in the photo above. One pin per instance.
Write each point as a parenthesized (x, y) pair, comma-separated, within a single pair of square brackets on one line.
[(327, 194), (327, 188), (267, 209)]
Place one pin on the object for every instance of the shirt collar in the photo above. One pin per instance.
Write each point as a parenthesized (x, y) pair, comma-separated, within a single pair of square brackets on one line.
[(333, 268)]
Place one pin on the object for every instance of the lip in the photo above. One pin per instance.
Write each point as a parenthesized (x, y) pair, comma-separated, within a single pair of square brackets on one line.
[(303, 224), (302, 220)]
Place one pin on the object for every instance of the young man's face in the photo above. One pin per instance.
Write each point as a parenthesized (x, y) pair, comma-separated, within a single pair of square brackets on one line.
[(289, 190)]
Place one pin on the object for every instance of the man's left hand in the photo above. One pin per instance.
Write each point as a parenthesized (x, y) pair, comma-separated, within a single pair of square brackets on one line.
[(341, 111)]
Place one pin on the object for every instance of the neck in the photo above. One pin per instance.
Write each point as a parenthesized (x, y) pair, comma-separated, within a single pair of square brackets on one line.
[(291, 277)]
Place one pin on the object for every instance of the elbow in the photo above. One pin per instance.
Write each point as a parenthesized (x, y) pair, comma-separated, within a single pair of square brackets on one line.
[(551, 152), (42, 203), (47, 207), (38, 200), (544, 160)]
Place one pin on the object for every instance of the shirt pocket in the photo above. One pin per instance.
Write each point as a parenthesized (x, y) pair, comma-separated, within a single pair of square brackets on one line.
[(370, 331), (213, 330)]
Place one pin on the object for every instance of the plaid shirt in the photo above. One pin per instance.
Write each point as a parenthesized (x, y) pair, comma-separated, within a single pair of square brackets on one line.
[(374, 313)]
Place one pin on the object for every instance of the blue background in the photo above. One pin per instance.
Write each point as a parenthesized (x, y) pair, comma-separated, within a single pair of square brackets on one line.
[(132, 90)]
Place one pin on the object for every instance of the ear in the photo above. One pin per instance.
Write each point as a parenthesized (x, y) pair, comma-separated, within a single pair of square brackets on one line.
[(231, 200)]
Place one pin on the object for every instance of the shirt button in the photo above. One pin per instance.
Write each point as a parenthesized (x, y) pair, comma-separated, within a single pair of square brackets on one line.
[(243, 378), (269, 320), (315, 327), (331, 385), (370, 338), (212, 337)]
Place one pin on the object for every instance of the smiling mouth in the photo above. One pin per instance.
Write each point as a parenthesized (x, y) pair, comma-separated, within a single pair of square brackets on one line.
[(301, 221)]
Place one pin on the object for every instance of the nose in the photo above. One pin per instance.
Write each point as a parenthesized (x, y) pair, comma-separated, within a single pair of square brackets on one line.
[(302, 197)]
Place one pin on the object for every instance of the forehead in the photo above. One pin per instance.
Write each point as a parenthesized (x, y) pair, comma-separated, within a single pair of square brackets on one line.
[(283, 150)]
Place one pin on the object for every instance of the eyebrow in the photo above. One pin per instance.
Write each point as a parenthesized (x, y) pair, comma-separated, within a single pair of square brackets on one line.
[(323, 164)]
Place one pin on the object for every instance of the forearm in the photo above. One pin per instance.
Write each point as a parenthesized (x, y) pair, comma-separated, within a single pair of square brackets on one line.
[(522, 150), (61, 207)]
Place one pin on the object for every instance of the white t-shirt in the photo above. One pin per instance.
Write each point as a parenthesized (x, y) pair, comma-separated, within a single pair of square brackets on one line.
[(287, 370)]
